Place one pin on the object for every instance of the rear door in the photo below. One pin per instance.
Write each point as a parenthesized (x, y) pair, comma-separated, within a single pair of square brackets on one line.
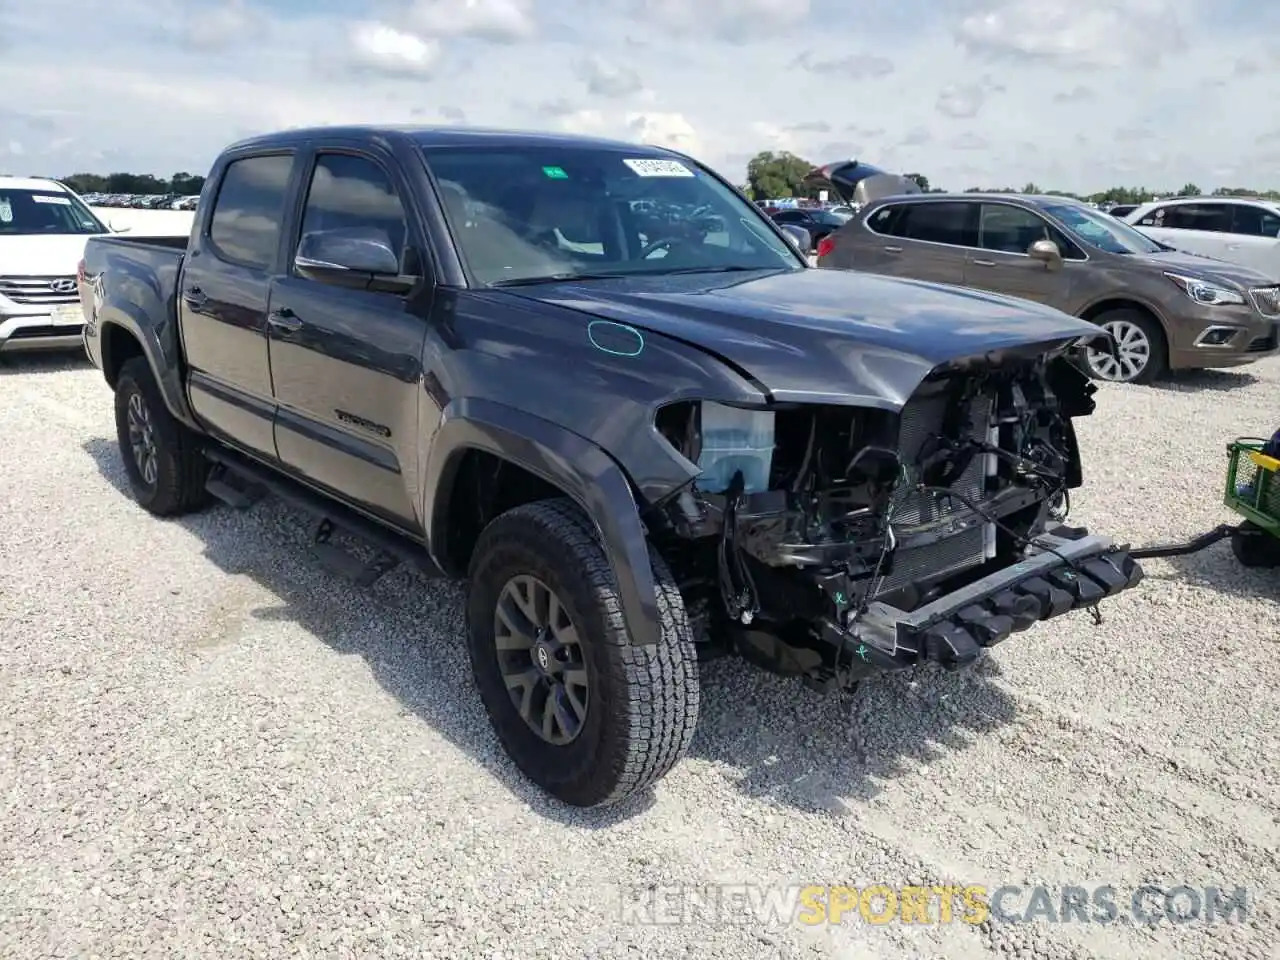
[(922, 239), (222, 299), (1002, 265), (347, 363), (1203, 228), (1256, 232)]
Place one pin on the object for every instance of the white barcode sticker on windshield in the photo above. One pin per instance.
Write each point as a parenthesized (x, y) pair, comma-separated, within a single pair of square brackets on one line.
[(652, 167), (61, 201)]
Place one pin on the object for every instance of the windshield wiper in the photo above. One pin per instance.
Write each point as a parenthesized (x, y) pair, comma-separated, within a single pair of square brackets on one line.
[(556, 278), (735, 269)]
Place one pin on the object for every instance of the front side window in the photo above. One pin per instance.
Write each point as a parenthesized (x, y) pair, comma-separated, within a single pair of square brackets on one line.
[(1101, 230), (355, 195), (245, 226), (523, 214), (1204, 217), (1005, 228), (43, 213)]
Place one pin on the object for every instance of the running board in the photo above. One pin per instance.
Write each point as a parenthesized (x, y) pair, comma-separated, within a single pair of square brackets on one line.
[(240, 482)]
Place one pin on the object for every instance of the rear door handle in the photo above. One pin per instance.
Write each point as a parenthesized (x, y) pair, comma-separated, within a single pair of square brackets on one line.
[(284, 320), (195, 297), (892, 249), (983, 263)]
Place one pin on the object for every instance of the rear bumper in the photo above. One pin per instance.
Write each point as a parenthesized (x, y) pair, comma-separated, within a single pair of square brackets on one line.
[(30, 332), (1078, 570)]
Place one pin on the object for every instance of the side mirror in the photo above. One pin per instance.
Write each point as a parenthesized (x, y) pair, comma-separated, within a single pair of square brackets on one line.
[(1047, 252), (358, 258), (798, 236)]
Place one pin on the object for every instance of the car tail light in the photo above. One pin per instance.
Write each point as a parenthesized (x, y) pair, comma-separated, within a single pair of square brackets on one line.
[(80, 271), (825, 246)]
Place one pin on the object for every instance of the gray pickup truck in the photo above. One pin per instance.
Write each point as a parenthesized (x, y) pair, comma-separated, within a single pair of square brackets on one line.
[(595, 381)]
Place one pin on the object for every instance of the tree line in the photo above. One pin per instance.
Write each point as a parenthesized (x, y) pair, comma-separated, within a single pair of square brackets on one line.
[(777, 175), (137, 184)]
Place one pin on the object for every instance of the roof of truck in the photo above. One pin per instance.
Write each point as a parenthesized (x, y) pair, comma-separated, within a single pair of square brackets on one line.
[(431, 136)]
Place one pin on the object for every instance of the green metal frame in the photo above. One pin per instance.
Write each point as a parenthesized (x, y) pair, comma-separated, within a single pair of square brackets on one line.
[(1252, 491)]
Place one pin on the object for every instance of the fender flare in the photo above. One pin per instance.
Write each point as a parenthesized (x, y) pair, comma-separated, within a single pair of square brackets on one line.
[(159, 344), (566, 460)]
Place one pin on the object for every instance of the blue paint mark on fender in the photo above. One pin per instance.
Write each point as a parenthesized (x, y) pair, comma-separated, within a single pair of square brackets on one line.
[(615, 339)]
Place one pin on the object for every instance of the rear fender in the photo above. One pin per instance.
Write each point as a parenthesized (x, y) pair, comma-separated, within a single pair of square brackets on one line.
[(573, 464), (160, 356)]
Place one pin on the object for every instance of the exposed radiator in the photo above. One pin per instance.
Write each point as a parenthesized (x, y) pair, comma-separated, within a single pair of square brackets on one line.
[(922, 418)]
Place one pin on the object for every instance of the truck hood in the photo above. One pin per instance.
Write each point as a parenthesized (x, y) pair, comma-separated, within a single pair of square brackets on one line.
[(822, 336), (41, 256), (1207, 268)]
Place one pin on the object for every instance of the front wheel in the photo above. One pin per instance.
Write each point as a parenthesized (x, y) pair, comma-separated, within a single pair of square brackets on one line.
[(1142, 353), (1255, 547), (583, 712), (162, 460)]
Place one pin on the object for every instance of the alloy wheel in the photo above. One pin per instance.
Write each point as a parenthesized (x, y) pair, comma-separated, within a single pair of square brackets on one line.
[(142, 440), (1133, 347), (541, 660)]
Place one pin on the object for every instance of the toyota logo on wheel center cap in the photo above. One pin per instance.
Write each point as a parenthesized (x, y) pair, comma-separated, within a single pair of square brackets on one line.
[(62, 285), (544, 661)]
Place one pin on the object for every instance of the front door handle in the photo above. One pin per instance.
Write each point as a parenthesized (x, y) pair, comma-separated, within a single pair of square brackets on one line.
[(983, 263), (892, 249), (195, 297), (284, 320)]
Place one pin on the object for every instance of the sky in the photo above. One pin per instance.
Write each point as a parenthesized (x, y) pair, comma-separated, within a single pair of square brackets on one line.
[(1078, 95)]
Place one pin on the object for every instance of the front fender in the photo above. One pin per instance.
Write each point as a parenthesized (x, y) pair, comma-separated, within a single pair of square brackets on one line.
[(566, 460)]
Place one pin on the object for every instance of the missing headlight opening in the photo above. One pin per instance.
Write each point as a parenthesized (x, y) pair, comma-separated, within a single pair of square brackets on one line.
[(808, 522)]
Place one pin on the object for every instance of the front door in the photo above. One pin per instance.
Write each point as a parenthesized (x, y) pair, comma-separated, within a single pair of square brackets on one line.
[(347, 363), (222, 303), (1002, 264)]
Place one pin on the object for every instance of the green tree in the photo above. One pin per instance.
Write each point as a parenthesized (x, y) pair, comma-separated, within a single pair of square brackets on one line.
[(921, 181), (776, 175), (1189, 190)]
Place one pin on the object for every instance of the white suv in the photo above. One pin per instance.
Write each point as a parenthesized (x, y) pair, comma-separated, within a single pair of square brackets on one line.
[(1240, 230), (43, 227)]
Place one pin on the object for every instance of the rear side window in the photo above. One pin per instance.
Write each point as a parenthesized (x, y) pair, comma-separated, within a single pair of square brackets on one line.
[(949, 223), (354, 194), (1206, 217), (1255, 221), (885, 220), (245, 225)]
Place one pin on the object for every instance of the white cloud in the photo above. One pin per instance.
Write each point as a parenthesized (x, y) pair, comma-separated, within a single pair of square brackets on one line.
[(1075, 95), (383, 49)]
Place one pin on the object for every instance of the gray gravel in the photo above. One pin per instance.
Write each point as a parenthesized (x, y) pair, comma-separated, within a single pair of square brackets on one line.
[(211, 748)]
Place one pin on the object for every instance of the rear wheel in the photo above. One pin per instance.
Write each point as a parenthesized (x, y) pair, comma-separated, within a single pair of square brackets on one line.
[(584, 713), (1142, 352), (162, 459)]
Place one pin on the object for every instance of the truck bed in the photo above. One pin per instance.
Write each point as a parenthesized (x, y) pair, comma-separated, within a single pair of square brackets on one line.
[(138, 280)]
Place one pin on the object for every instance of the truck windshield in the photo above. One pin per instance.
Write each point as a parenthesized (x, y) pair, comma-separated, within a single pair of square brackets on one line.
[(525, 214), (1102, 230), (44, 213)]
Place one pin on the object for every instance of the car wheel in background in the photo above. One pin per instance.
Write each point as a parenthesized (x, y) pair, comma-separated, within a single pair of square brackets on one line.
[(1142, 353)]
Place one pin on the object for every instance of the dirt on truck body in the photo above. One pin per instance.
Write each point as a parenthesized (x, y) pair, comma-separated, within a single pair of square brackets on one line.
[(596, 382)]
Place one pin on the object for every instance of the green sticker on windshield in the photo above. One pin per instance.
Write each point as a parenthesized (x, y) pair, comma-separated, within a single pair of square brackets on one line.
[(555, 173)]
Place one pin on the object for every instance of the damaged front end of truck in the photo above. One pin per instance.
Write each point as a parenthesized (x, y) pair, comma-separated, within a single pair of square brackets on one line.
[(830, 542)]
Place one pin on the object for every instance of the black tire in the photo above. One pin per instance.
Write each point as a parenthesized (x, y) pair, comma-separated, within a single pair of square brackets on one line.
[(1255, 547), (1157, 364), (180, 470), (643, 705)]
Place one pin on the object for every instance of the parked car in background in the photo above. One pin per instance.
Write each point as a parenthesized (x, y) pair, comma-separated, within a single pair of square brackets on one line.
[(818, 222), (1240, 230), (1121, 210), (1165, 309), (43, 228)]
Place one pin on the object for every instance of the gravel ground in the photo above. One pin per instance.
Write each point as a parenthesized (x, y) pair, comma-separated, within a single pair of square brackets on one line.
[(211, 748)]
